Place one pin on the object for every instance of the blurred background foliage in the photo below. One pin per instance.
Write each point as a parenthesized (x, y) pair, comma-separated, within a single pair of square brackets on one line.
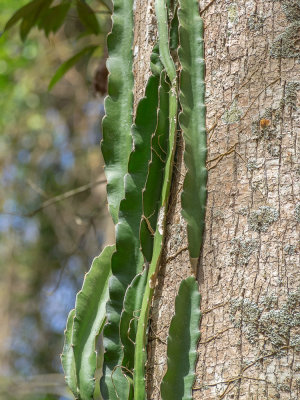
[(49, 146)]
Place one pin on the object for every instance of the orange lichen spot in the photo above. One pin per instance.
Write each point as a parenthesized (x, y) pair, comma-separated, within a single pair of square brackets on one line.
[(264, 123)]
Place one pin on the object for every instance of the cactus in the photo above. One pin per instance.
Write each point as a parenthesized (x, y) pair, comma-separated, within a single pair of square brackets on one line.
[(183, 337), (192, 122), (128, 260), (84, 324), (139, 162), (117, 122)]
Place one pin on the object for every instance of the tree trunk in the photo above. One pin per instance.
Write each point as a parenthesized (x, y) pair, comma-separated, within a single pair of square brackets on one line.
[(249, 269)]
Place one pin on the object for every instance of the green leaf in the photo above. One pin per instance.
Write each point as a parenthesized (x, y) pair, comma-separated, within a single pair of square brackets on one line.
[(174, 39), (87, 51), (25, 11), (128, 259), (163, 39), (128, 325), (192, 122), (153, 187), (107, 4), (90, 316), (183, 337), (116, 125), (52, 20), (87, 17), (67, 357), (30, 21), (29, 14), (155, 62)]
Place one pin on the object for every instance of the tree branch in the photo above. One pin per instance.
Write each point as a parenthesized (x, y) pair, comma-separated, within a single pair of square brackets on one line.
[(59, 198)]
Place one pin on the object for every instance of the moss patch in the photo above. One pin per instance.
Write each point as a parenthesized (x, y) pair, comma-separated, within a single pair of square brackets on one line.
[(291, 94), (233, 114), (287, 44), (233, 13), (291, 9), (297, 212), (255, 22), (261, 219), (243, 249), (267, 323), (290, 249), (252, 165)]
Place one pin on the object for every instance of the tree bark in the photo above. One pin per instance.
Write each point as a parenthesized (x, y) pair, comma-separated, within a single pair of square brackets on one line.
[(249, 269)]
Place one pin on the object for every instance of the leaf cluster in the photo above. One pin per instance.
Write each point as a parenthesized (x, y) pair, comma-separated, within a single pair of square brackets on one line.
[(49, 18)]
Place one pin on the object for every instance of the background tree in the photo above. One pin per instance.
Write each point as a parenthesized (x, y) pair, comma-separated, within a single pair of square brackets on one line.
[(49, 146)]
